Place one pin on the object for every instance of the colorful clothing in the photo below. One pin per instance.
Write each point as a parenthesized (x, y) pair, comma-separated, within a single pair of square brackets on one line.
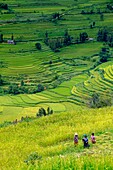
[(93, 139), (85, 141), (75, 140)]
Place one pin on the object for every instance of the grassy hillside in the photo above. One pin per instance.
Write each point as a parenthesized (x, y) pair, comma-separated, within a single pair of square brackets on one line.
[(47, 142)]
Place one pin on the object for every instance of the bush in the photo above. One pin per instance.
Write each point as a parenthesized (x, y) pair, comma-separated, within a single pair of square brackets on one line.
[(38, 46), (40, 88), (32, 158), (43, 112), (3, 6), (98, 101)]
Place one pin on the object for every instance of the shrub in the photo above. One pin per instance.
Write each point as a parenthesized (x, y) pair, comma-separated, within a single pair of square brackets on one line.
[(104, 54), (43, 112), (98, 101), (32, 158), (3, 6), (38, 46)]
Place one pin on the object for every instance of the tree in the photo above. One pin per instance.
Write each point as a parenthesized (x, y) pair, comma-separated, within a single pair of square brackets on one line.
[(56, 15), (83, 37), (1, 81), (110, 40), (13, 89), (46, 38), (104, 54), (12, 37), (3, 6), (98, 101), (102, 35), (22, 83), (49, 111), (38, 46), (52, 44), (40, 88), (67, 38), (102, 17), (1, 38), (93, 23), (41, 112), (91, 26)]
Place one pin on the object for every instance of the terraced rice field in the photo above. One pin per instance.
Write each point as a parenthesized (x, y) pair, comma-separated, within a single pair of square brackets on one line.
[(100, 81), (68, 76)]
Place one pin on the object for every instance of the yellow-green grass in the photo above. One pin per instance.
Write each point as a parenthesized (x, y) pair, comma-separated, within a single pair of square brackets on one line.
[(52, 138), (97, 82), (13, 112)]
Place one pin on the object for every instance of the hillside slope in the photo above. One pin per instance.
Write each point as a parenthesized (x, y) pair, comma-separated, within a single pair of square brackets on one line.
[(50, 140)]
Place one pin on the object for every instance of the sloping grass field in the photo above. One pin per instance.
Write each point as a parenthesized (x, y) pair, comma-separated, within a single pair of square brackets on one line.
[(51, 138)]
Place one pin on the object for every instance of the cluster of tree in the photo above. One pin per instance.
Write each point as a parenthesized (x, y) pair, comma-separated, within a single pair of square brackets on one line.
[(105, 36), (88, 12), (56, 16), (43, 112), (110, 7), (65, 40), (59, 42), (104, 54), (98, 101), (20, 89), (91, 11), (3, 6)]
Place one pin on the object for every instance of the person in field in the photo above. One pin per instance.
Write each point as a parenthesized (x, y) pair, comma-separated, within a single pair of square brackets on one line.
[(85, 141), (93, 139), (75, 139)]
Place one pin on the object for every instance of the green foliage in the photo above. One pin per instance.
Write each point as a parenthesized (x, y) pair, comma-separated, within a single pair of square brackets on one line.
[(49, 111), (104, 54), (98, 101), (22, 83), (32, 158), (102, 17), (83, 37), (5, 124), (1, 38), (56, 15), (3, 6), (58, 42), (38, 46), (13, 89), (43, 112), (40, 88), (1, 81), (102, 35)]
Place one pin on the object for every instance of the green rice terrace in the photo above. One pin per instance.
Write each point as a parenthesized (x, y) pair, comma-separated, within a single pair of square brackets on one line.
[(57, 56)]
